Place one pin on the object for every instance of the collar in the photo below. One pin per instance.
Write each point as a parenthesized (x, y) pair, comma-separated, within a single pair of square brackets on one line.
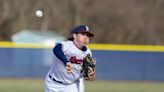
[(83, 49)]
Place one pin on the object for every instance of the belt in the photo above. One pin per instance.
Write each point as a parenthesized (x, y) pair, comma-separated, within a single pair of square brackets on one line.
[(55, 79)]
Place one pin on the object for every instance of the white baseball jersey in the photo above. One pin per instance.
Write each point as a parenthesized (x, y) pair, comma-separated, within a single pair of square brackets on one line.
[(58, 70)]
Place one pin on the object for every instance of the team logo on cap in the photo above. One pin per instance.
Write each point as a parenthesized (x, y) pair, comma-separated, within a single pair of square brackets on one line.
[(87, 28)]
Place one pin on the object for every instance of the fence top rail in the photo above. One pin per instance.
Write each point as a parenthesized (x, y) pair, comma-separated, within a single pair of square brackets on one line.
[(113, 47)]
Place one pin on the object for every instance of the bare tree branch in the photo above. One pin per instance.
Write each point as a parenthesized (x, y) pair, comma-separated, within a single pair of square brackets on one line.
[(5, 13)]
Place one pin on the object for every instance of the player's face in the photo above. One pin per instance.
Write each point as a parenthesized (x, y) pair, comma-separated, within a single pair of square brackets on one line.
[(82, 39)]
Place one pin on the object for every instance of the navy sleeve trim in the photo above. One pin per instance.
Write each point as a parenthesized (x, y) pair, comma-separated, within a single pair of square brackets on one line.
[(59, 53)]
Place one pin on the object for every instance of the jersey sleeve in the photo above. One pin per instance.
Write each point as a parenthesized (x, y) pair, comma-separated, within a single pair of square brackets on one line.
[(58, 52), (64, 46)]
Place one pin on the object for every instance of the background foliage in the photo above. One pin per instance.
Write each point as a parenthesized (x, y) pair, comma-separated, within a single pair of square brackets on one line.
[(113, 21)]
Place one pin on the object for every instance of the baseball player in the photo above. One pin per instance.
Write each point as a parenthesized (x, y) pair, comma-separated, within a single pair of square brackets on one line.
[(66, 74)]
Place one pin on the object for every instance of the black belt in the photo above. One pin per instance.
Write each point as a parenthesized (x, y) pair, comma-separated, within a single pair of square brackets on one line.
[(55, 79)]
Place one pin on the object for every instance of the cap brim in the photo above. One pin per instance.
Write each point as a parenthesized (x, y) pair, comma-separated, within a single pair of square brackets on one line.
[(88, 32)]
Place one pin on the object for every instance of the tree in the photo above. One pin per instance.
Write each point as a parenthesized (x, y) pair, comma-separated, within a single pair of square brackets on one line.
[(113, 21)]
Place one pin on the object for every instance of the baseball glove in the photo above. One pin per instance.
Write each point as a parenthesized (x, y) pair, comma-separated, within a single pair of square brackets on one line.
[(89, 68)]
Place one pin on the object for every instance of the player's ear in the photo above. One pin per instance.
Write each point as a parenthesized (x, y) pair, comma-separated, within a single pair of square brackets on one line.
[(74, 35)]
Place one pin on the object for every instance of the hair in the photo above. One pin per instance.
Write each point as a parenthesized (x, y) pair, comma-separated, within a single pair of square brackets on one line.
[(71, 38)]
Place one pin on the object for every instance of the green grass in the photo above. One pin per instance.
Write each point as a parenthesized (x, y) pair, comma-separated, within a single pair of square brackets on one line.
[(21, 85), (124, 86), (37, 85)]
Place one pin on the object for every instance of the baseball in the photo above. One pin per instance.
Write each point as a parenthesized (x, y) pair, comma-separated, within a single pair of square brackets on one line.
[(39, 13)]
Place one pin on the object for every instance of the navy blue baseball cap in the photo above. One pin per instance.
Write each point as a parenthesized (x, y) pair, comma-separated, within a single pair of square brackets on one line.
[(83, 29)]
